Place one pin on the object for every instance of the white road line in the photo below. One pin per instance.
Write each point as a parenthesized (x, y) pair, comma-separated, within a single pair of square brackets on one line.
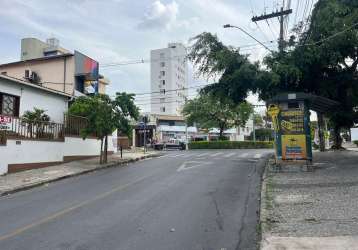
[(243, 155), (188, 155), (177, 155), (200, 155), (229, 155), (216, 154), (257, 156)]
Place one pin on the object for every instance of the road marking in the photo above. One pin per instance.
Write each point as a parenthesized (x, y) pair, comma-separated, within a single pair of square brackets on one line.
[(188, 155), (177, 155), (243, 155), (201, 155), (257, 156), (70, 209), (229, 155), (187, 165), (216, 154)]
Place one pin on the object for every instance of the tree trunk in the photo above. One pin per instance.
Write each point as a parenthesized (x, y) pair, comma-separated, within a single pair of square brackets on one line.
[(320, 132), (105, 148), (101, 153), (221, 133), (337, 144)]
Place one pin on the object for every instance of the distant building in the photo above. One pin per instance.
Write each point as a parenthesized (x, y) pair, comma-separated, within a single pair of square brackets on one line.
[(169, 79), (50, 66), (32, 48)]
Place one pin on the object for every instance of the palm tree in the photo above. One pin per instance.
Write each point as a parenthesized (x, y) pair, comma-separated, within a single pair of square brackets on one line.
[(35, 119)]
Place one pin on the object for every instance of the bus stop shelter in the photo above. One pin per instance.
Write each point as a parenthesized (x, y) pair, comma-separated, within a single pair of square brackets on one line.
[(290, 113)]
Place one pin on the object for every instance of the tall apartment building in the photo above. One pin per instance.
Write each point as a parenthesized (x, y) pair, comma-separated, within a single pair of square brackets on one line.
[(169, 79)]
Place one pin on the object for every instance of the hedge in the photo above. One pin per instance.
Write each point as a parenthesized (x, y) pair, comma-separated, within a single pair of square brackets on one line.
[(229, 144), (356, 142)]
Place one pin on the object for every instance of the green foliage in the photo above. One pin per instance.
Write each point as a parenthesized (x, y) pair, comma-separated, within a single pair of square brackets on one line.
[(35, 122), (211, 111), (258, 120), (322, 60), (229, 144), (263, 134), (37, 116), (105, 115), (356, 142)]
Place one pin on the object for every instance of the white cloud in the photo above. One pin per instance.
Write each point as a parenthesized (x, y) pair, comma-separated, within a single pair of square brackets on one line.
[(160, 16)]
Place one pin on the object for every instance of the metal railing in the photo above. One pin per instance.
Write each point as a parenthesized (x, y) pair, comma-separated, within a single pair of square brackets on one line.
[(74, 125), (22, 129), (19, 128)]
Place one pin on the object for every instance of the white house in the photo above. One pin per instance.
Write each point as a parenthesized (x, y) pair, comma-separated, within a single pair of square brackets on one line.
[(24, 146)]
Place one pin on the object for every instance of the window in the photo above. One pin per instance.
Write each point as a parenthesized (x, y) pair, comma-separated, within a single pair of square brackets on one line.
[(162, 100), (162, 82), (162, 91), (162, 55), (162, 64), (162, 73), (9, 104), (162, 109)]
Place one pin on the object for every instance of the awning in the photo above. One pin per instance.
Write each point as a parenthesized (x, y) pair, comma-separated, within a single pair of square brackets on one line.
[(316, 103)]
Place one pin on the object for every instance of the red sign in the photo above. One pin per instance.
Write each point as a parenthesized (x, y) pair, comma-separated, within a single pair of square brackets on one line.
[(5, 122)]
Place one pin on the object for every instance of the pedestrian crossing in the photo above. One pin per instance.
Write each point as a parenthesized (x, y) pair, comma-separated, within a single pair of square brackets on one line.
[(217, 155)]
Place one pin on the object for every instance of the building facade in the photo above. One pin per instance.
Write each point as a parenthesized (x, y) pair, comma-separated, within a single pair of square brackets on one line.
[(51, 66), (25, 145), (169, 79)]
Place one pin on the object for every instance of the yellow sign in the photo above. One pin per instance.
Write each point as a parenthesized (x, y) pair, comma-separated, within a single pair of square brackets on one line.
[(294, 147), (273, 111), (286, 125)]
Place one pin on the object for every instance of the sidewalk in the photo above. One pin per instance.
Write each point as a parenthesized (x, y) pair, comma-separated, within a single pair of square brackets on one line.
[(27, 179), (312, 210)]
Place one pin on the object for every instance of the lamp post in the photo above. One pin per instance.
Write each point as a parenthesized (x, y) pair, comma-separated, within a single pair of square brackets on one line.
[(236, 27)]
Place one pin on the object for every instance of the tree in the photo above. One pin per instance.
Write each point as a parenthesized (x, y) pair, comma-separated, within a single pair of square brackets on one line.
[(210, 111), (258, 121), (104, 116), (35, 119), (321, 59), (236, 74)]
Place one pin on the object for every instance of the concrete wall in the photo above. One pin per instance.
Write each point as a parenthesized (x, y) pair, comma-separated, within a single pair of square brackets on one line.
[(54, 104), (29, 151)]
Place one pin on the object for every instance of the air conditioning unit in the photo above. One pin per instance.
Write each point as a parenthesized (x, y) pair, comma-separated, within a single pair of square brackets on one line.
[(34, 78), (28, 74)]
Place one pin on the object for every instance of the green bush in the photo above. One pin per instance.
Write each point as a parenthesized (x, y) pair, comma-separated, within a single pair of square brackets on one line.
[(229, 144), (356, 142)]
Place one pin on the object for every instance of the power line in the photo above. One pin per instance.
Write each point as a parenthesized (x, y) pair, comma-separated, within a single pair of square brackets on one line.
[(329, 37)]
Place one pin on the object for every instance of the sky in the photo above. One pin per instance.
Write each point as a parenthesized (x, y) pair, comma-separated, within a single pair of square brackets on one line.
[(115, 31)]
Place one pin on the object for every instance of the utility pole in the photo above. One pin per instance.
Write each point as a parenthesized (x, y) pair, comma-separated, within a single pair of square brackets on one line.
[(281, 14)]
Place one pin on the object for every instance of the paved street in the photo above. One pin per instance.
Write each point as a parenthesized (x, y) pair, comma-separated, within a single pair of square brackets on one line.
[(203, 199)]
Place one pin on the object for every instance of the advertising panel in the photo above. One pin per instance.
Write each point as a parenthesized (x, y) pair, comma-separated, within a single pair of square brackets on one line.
[(294, 147), (87, 69)]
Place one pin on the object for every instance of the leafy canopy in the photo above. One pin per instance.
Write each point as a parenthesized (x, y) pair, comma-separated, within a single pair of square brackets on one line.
[(105, 115), (209, 111)]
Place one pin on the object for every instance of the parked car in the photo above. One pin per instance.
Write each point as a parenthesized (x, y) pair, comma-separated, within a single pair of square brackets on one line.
[(171, 144)]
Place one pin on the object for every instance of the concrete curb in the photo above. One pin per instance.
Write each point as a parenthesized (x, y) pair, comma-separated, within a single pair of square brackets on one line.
[(264, 212), (97, 168)]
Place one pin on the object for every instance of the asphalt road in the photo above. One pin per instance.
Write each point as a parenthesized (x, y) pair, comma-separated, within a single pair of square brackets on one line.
[(183, 200)]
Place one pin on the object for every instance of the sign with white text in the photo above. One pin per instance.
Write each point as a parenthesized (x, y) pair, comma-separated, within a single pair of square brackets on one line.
[(5, 122)]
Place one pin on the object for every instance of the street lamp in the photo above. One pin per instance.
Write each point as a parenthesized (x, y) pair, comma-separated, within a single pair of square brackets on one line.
[(236, 27)]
